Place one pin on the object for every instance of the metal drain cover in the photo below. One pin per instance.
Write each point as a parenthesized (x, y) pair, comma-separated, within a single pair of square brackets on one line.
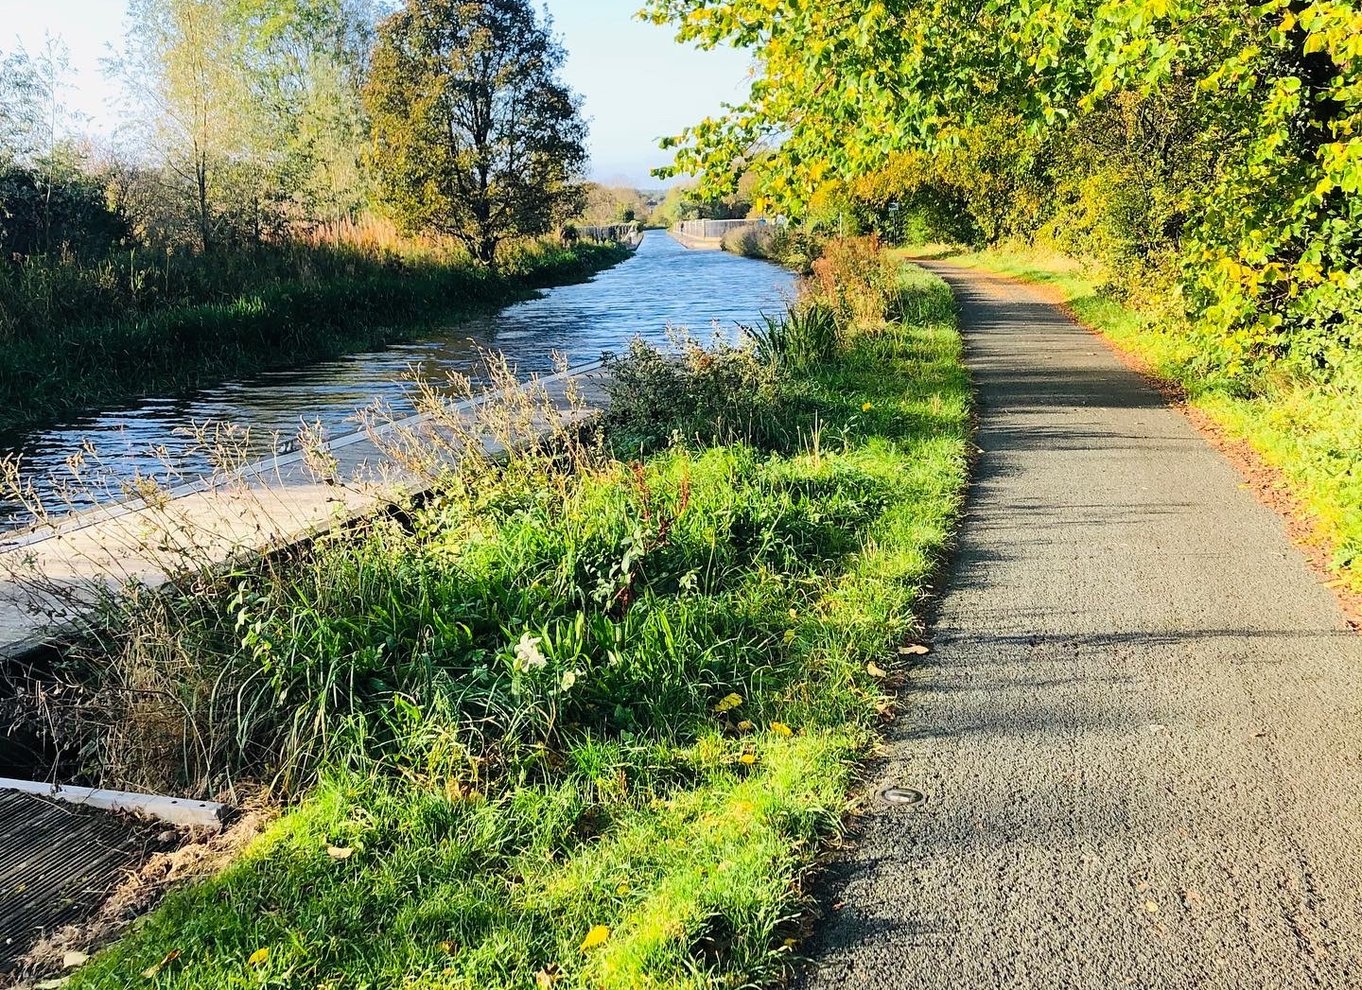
[(906, 796)]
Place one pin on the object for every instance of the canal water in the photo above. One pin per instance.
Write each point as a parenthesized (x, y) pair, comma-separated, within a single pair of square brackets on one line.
[(663, 285)]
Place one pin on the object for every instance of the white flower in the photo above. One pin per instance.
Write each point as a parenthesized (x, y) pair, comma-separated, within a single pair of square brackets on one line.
[(527, 655)]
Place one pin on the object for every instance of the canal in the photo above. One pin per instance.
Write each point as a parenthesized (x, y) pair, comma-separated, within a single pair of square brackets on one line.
[(663, 285)]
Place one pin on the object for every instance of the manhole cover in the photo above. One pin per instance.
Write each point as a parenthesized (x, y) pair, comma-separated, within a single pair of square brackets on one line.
[(902, 795)]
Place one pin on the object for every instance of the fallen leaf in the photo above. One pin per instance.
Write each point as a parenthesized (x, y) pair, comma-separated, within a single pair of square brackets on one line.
[(258, 957), (623, 889), (781, 729), (449, 947), (728, 702), (745, 726), (547, 976), (70, 960), (914, 650), (747, 759), (789, 637), (875, 670), (339, 852), (595, 937), (1151, 907), (151, 971)]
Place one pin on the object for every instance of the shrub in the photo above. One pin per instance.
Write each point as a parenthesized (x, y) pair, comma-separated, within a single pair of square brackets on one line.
[(856, 279), (711, 395)]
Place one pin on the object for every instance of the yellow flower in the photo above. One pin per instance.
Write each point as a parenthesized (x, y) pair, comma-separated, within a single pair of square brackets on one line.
[(747, 759), (595, 937), (867, 406), (781, 729), (728, 702), (258, 957), (789, 636)]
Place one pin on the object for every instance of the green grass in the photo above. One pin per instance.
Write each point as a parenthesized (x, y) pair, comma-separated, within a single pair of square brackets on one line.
[(72, 339), (663, 759), (1310, 431)]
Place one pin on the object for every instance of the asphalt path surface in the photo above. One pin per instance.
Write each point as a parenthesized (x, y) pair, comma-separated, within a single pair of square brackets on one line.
[(1139, 732)]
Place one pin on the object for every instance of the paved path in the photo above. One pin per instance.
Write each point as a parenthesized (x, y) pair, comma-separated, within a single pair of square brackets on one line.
[(1140, 732)]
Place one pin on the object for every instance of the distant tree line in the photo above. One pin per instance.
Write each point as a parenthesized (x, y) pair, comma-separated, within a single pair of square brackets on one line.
[(252, 121)]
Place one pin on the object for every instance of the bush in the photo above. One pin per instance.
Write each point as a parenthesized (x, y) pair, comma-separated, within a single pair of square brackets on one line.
[(856, 280), (708, 395)]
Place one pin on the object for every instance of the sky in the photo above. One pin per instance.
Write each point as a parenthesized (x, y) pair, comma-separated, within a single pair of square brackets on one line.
[(637, 84)]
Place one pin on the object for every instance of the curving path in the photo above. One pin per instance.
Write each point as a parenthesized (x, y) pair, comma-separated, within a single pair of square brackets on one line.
[(1140, 730)]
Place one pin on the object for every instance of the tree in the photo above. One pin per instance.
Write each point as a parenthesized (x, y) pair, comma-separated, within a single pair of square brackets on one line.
[(182, 64), (474, 136), (1267, 223), (254, 106)]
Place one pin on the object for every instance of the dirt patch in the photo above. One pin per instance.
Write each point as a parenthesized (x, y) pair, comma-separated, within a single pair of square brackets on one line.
[(203, 854)]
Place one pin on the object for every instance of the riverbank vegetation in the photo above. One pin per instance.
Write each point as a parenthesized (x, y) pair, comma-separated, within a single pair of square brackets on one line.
[(1202, 159), (274, 198), (582, 718)]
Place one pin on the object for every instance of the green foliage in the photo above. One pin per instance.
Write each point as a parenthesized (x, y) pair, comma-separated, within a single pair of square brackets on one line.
[(711, 395), (627, 697), (1213, 142), (252, 109), (806, 338), (54, 208), (474, 136)]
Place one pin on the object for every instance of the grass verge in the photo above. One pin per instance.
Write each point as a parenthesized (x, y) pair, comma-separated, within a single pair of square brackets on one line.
[(307, 308), (587, 728), (1308, 431)]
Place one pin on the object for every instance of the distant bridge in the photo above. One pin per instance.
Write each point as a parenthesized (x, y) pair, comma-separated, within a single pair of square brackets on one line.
[(620, 233), (708, 235)]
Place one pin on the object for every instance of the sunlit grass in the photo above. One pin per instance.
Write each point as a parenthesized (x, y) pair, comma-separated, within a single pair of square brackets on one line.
[(540, 780)]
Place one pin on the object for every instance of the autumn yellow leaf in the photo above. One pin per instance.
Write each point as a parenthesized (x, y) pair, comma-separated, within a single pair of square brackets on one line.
[(781, 729), (914, 650), (595, 937), (745, 726), (258, 957), (339, 852), (875, 670), (151, 971), (728, 702), (789, 636)]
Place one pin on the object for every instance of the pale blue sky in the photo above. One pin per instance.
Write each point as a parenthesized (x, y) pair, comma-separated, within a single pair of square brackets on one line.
[(637, 83)]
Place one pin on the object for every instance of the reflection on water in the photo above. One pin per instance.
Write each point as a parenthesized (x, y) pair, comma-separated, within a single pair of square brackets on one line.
[(662, 285)]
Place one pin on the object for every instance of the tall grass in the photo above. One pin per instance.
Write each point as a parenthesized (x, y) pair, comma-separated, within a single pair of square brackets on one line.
[(582, 721), (74, 335)]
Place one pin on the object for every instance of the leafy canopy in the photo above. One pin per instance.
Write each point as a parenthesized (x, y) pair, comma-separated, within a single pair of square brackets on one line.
[(1273, 223)]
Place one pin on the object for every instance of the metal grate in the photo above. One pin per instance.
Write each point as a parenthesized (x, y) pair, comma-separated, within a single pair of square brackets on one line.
[(57, 864)]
